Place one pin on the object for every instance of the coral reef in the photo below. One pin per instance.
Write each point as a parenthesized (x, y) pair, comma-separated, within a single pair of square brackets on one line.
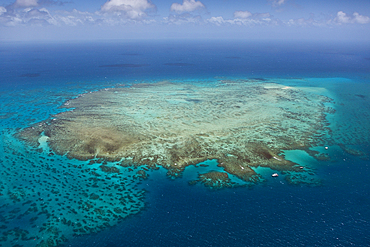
[(216, 180), (241, 123), (48, 199)]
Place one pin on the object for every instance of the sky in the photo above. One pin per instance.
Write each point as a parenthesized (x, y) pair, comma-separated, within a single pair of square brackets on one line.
[(23, 20)]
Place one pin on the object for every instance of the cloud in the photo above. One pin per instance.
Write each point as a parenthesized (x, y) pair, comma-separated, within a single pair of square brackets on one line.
[(131, 9), (27, 16), (247, 18), (2, 10), (35, 16), (340, 19), (219, 20), (25, 3), (361, 18), (75, 18), (305, 22), (38, 16), (51, 2), (42, 17), (187, 6), (343, 18), (183, 18), (19, 4), (277, 3), (244, 19), (242, 14), (247, 14)]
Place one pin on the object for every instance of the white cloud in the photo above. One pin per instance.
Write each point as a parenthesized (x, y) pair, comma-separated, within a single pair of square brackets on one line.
[(252, 20), (216, 20), (262, 15), (242, 14), (184, 18), (28, 16), (343, 18), (38, 17), (36, 12), (11, 21), (75, 18), (361, 19), (25, 3), (41, 17), (131, 9), (305, 22), (187, 6), (2, 10), (247, 14), (277, 3)]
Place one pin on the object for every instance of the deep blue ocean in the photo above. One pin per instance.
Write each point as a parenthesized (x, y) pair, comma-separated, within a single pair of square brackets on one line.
[(37, 78)]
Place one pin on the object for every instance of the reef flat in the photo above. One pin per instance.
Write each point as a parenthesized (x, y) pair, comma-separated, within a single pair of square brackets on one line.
[(241, 123)]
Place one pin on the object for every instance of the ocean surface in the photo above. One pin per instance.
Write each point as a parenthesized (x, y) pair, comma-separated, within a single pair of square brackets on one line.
[(37, 78)]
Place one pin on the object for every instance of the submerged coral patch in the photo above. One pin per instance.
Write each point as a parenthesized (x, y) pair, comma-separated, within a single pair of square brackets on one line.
[(46, 199), (216, 180)]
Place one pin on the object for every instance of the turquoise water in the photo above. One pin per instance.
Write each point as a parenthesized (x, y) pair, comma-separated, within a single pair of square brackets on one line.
[(46, 196)]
